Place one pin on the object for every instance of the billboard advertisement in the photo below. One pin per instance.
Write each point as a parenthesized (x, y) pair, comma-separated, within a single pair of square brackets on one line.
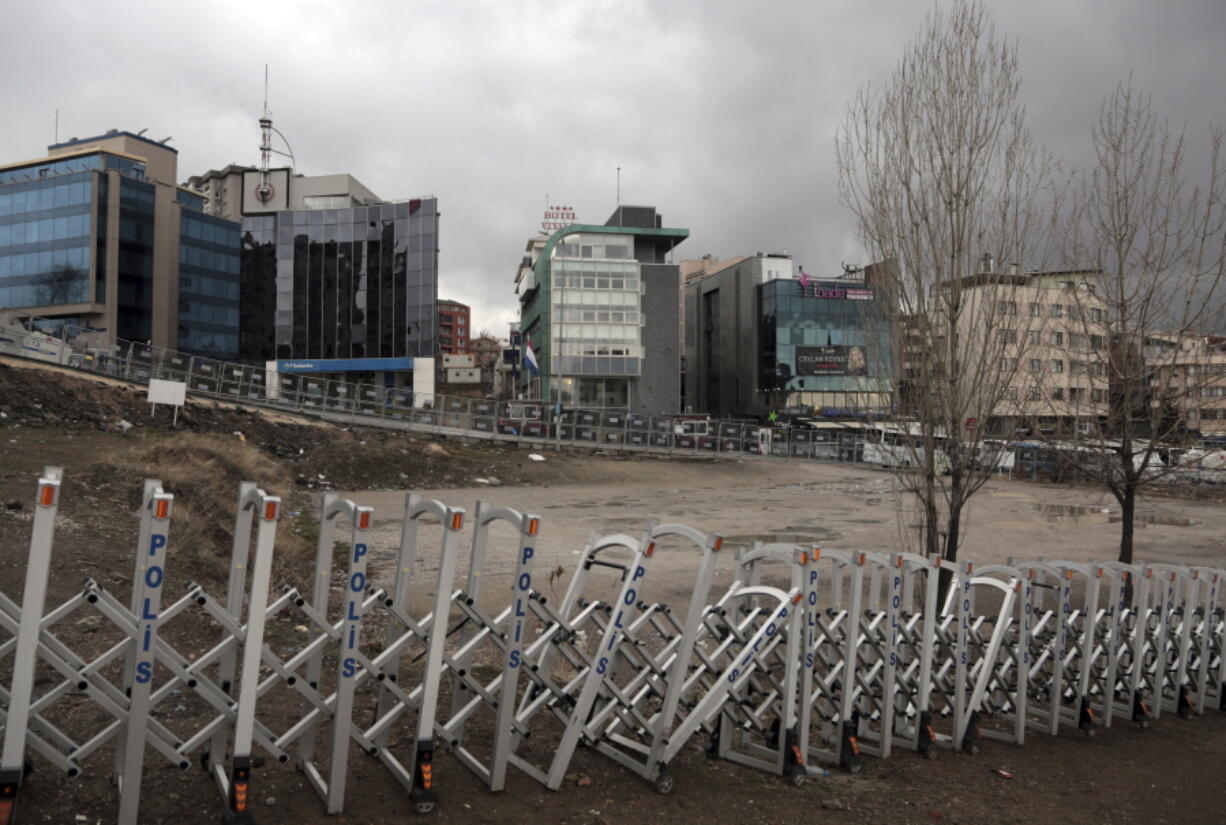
[(834, 360)]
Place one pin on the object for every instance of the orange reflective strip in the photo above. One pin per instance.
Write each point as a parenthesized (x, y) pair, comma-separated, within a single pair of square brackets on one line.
[(861, 559), (969, 568), (270, 511), (240, 796), (717, 544), (855, 746), (534, 524), (46, 494), (161, 508), (651, 549), (816, 554), (796, 599), (1068, 574), (804, 557), (796, 754), (457, 521), (898, 561), (363, 519)]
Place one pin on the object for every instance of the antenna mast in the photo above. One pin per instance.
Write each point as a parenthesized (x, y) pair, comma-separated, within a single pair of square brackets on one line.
[(264, 190)]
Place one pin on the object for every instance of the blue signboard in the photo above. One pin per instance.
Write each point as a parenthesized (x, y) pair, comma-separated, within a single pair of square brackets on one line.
[(344, 364)]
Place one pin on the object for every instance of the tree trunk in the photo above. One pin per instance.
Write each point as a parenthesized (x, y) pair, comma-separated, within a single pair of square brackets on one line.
[(1128, 506), (950, 555)]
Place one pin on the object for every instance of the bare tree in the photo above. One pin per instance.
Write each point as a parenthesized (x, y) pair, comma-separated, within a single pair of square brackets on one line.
[(1157, 232), (945, 181)]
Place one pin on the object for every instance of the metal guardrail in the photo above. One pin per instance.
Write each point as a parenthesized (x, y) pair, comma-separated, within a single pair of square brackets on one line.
[(401, 408), (853, 654)]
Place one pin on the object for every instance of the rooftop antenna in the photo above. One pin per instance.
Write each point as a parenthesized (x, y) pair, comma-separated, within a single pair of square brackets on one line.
[(619, 196), (264, 190)]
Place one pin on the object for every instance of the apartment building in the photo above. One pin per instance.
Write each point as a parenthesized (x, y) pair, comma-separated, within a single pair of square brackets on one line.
[(1035, 347)]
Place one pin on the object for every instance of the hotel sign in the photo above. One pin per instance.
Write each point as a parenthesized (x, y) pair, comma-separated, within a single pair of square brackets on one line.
[(836, 360), (557, 217)]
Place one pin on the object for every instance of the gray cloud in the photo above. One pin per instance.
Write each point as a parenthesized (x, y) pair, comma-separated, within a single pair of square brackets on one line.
[(720, 113)]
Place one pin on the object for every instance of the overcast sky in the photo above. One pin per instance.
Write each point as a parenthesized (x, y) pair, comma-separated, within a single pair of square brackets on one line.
[(721, 114)]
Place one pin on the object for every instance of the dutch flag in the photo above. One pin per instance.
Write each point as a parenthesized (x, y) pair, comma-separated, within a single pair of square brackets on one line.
[(530, 359)]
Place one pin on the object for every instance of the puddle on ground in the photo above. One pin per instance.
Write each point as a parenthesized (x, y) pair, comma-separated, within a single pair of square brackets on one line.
[(1086, 514)]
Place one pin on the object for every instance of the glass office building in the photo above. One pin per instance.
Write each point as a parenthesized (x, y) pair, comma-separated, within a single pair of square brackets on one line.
[(354, 283), (758, 343), (600, 305), (208, 281), (98, 234)]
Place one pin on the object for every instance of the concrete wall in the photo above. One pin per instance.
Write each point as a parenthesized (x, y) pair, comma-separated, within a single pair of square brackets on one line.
[(658, 389), (734, 333)]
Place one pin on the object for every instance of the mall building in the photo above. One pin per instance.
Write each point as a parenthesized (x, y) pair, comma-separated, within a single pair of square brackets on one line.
[(599, 306), (758, 340)]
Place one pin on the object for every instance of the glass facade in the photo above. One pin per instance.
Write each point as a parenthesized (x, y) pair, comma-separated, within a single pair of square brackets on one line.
[(135, 300), (821, 329), (208, 285), (99, 161), (595, 311), (340, 283), (45, 241)]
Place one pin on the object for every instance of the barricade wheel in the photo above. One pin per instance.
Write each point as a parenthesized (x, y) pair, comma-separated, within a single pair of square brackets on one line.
[(664, 784), (855, 766), (972, 748), (797, 780), (931, 753), (424, 806)]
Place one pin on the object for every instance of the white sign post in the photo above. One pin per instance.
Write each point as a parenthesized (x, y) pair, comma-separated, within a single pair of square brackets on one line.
[(166, 392)]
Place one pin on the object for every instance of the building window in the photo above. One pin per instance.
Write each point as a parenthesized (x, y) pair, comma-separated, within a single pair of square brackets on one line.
[(1057, 310), (1035, 394), (1057, 394), (1057, 365), (1096, 314), (1035, 365), (1032, 337), (1007, 336), (1057, 339), (1098, 396), (1008, 364), (1008, 307), (1036, 310), (1096, 342)]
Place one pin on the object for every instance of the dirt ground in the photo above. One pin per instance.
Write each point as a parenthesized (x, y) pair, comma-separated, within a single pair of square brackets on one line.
[(1168, 773)]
